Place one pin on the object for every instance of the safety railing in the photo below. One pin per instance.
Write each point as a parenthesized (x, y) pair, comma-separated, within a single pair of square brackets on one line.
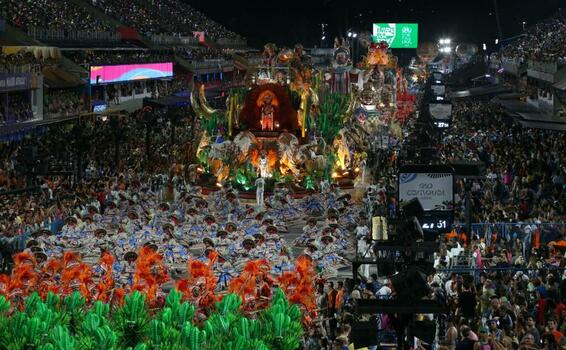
[(208, 64), (507, 232), (510, 230), (162, 39), (231, 42), (545, 67), (23, 68), (65, 35)]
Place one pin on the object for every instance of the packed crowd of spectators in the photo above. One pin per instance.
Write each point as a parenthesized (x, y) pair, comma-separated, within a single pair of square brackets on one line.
[(56, 150), (542, 42), (102, 57), (16, 61), (54, 15), (18, 110), (170, 17), (526, 168), (156, 17), (498, 308), (62, 103), (201, 54)]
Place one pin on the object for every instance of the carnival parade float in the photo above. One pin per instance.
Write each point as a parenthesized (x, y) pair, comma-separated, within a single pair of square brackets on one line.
[(300, 126)]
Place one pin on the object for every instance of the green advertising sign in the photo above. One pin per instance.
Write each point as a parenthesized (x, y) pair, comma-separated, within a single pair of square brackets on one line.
[(397, 35)]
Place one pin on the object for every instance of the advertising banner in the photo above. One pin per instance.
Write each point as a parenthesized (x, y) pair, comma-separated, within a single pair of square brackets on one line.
[(397, 35), (15, 81)]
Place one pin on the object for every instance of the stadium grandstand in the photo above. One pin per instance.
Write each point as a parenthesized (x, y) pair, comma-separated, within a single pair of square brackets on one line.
[(164, 185)]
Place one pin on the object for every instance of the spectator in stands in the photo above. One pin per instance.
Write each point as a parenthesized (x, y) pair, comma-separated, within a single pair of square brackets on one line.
[(22, 61), (170, 17), (55, 15), (64, 103), (101, 57), (542, 42)]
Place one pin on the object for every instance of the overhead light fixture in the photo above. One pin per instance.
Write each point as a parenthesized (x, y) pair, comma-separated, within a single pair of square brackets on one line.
[(355, 35), (496, 41), (349, 34), (323, 37), (484, 46)]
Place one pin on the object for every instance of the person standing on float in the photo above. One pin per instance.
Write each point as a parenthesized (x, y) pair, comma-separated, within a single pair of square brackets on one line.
[(260, 188)]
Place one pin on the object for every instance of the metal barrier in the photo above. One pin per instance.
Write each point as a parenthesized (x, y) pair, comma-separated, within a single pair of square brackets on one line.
[(234, 42), (212, 64), (24, 68), (509, 230), (64, 35), (475, 270), (162, 39), (546, 67)]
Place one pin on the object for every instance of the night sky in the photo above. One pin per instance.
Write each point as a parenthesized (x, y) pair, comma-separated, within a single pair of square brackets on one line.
[(292, 21)]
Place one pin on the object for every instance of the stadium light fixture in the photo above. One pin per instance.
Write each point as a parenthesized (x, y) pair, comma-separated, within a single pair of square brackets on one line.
[(496, 41), (355, 35), (349, 34), (323, 37), (484, 46), (448, 41)]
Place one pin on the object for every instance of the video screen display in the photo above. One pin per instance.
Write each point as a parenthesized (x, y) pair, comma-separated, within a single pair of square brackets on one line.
[(129, 72), (440, 111), (435, 191), (397, 35)]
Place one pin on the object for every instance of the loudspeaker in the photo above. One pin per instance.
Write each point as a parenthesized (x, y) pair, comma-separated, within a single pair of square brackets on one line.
[(364, 334), (410, 285), (412, 208)]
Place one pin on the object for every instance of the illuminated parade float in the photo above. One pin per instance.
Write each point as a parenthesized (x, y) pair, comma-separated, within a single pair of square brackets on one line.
[(302, 127)]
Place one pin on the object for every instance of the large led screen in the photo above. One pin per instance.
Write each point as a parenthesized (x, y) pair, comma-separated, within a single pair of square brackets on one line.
[(397, 35), (128, 72)]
